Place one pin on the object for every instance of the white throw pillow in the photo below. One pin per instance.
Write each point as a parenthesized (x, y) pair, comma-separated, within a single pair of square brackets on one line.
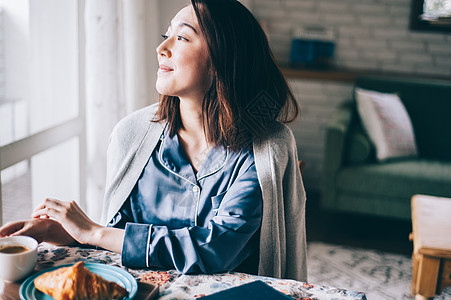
[(387, 123)]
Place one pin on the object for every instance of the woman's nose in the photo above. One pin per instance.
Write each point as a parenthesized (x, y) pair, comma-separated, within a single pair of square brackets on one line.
[(163, 49)]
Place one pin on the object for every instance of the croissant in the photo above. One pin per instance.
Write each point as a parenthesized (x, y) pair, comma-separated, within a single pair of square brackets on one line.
[(76, 283)]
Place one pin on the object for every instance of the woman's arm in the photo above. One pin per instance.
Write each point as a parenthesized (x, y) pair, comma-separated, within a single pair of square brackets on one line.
[(78, 225), (108, 238)]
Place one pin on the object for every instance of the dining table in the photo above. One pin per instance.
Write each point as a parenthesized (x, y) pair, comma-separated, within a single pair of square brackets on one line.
[(169, 284)]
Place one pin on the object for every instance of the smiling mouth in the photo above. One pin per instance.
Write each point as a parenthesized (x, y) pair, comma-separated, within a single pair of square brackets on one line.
[(164, 68)]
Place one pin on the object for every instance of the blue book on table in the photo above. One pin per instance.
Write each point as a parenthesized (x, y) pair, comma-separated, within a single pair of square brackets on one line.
[(253, 290)]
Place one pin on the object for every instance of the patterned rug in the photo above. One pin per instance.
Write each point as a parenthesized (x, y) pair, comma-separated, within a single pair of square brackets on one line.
[(380, 275)]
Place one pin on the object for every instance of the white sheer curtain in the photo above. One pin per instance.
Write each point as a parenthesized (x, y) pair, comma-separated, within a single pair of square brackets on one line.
[(120, 72)]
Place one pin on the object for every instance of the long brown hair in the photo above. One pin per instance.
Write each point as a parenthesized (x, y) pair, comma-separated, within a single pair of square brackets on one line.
[(248, 90)]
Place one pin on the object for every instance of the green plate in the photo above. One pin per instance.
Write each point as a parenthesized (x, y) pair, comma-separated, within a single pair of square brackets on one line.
[(29, 292)]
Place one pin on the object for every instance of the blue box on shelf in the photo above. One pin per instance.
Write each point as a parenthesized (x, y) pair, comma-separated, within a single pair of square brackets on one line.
[(313, 47)]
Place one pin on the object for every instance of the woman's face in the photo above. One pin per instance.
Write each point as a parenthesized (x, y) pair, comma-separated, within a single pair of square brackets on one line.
[(183, 58)]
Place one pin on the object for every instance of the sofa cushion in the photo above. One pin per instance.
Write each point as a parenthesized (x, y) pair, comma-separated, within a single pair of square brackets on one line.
[(373, 204), (428, 105), (387, 123), (397, 179)]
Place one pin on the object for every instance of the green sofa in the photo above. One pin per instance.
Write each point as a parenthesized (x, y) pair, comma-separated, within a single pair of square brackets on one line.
[(354, 181)]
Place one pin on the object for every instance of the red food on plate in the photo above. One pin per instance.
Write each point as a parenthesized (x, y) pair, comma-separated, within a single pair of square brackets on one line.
[(156, 277)]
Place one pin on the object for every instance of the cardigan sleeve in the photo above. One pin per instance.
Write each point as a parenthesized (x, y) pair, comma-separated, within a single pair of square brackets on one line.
[(130, 145), (283, 251)]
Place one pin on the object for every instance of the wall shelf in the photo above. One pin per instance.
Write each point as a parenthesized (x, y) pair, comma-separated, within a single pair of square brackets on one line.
[(346, 75)]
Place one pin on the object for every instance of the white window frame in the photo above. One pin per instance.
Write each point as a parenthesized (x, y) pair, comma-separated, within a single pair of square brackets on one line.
[(26, 148)]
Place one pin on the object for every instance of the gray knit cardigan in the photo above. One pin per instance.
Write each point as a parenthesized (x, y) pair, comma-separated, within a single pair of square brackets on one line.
[(282, 234)]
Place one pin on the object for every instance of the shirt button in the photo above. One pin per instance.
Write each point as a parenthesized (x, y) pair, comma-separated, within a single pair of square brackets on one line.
[(195, 188)]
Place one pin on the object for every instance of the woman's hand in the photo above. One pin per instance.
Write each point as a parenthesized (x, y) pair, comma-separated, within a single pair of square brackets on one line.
[(42, 230), (65, 223), (71, 217)]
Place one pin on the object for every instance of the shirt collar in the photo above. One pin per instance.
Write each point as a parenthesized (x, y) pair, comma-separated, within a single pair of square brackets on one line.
[(215, 161), (172, 157)]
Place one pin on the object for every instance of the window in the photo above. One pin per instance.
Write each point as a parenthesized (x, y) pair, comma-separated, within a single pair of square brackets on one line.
[(432, 15), (42, 137)]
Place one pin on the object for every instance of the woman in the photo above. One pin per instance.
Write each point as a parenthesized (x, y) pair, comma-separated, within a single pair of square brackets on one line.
[(207, 180)]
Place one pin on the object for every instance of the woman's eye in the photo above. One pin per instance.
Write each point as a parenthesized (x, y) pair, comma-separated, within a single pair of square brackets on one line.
[(164, 36), (181, 38)]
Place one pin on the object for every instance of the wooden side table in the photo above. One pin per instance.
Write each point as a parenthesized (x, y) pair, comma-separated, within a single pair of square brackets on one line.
[(431, 222)]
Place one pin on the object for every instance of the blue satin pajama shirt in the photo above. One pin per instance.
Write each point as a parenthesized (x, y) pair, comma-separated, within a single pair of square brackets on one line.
[(198, 222)]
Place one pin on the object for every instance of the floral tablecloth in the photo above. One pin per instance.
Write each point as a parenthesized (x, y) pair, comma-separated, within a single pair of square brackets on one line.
[(190, 286)]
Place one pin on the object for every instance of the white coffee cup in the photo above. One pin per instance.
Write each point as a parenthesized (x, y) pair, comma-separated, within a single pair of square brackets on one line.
[(18, 256)]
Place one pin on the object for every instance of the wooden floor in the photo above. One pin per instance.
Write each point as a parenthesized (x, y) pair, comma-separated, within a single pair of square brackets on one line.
[(361, 231)]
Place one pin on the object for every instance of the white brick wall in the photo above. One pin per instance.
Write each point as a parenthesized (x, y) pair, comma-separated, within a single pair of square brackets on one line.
[(364, 26), (318, 102), (370, 35)]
